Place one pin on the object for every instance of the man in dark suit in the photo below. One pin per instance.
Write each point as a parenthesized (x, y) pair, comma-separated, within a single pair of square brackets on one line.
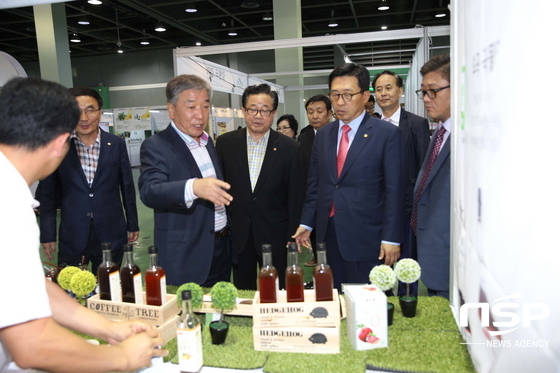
[(182, 181), (388, 87), (430, 220), (356, 189), (265, 171), (319, 114), (91, 186)]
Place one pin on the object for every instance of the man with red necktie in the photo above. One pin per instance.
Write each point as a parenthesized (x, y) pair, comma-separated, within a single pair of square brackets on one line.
[(430, 219), (356, 187)]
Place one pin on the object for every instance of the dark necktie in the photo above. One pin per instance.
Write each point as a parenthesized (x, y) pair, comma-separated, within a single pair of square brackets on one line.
[(429, 165), (341, 156)]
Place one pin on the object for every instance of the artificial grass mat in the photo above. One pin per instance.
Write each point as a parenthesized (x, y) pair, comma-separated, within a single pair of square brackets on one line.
[(429, 342)]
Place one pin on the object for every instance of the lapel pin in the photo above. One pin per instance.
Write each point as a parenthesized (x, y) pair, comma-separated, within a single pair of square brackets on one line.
[(365, 135), (274, 149), (108, 143)]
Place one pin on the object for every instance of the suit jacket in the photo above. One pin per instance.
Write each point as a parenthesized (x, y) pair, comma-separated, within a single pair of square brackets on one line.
[(306, 144), (416, 139), (434, 215), (369, 195), (271, 213), (184, 235), (68, 186)]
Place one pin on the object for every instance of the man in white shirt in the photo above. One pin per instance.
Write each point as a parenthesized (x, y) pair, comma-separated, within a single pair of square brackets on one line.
[(36, 118), (430, 219)]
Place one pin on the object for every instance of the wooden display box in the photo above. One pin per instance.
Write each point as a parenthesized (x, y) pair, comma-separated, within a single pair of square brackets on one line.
[(119, 311), (297, 339), (169, 330), (244, 307), (308, 313)]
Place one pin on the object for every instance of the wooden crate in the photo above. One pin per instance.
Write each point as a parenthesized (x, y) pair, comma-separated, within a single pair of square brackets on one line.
[(308, 313), (297, 339), (244, 307), (169, 330), (118, 311)]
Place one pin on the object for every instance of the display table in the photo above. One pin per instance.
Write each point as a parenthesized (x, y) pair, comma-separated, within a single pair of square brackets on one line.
[(429, 342)]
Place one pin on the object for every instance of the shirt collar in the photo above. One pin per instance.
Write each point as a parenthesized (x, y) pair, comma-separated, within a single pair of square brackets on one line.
[(264, 138), (447, 124), (189, 140), (395, 118), (355, 124), (74, 135)]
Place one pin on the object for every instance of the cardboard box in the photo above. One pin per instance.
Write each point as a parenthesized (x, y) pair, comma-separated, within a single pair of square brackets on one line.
[(308, 313), (366, 312), (119, 311), (297, 339)]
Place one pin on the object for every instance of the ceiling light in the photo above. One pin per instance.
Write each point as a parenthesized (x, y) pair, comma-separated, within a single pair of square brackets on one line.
[(267, 17), (383, 5), (383, 27), (250, 4), (120, 51), (75, 39), (198, 43), (159, 28), (95, 2), (232, 32), (145, 42), (84, 21), (333, 22), (191, 8), (439, 15)]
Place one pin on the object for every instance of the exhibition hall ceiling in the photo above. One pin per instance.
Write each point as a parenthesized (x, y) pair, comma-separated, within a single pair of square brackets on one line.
[(131, 22)]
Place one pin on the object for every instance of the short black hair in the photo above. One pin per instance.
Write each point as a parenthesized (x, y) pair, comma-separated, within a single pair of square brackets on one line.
[(257, 90), (33, 112), (318, 98), (292, 121), (371, 99), (86, 91), (440, 64), (398, 78), (352, 69)]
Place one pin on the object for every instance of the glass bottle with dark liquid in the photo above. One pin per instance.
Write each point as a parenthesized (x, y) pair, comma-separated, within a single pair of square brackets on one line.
[(322, 276), (294, 276), (108, 276), (268, 277), (131, 278), (156, 289)]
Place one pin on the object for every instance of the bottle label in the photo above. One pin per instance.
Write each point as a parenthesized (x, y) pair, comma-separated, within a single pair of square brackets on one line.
[(189, 349), (137, 280), (115, 286), (163, 289)]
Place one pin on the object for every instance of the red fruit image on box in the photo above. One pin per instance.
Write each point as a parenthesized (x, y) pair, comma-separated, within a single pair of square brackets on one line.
[(363, 333)]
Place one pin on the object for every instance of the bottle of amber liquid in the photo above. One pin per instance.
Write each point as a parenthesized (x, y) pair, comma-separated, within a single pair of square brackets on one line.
[(131, 278), (294, 276), (108, 276), (156, 288), (322, 276), (268, 277), (189, 337)]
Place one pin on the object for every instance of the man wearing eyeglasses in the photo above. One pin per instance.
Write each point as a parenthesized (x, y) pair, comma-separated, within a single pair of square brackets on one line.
[(388, 88), (92, 185), (430, 218), (356, 186), (265, 171)]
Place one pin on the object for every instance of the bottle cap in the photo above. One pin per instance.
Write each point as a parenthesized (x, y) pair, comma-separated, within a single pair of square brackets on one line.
[(106, 246), (321, 246), (186, 295), (128, 248), (266, 248), (292, 248), (152, 250)]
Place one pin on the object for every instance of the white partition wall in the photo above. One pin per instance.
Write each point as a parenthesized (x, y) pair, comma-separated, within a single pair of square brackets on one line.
[(505, 185)]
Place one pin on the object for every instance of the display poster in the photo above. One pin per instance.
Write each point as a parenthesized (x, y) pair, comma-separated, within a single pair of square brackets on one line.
[(504, 189), (132, 119), (160, 120)]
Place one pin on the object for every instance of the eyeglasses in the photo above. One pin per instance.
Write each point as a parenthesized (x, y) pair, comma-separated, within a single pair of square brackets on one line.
[(264, 113), (90, 111), (345, 96), (283, 128), (430, 92)]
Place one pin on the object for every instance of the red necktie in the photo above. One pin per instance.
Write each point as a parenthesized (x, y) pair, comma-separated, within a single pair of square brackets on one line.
[(341, 156), (429, 165)]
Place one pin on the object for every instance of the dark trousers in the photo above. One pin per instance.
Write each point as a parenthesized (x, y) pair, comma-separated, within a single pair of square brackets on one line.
[(343, 270), (245, 272), (406, 252), (92, 253), (220, 269)]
